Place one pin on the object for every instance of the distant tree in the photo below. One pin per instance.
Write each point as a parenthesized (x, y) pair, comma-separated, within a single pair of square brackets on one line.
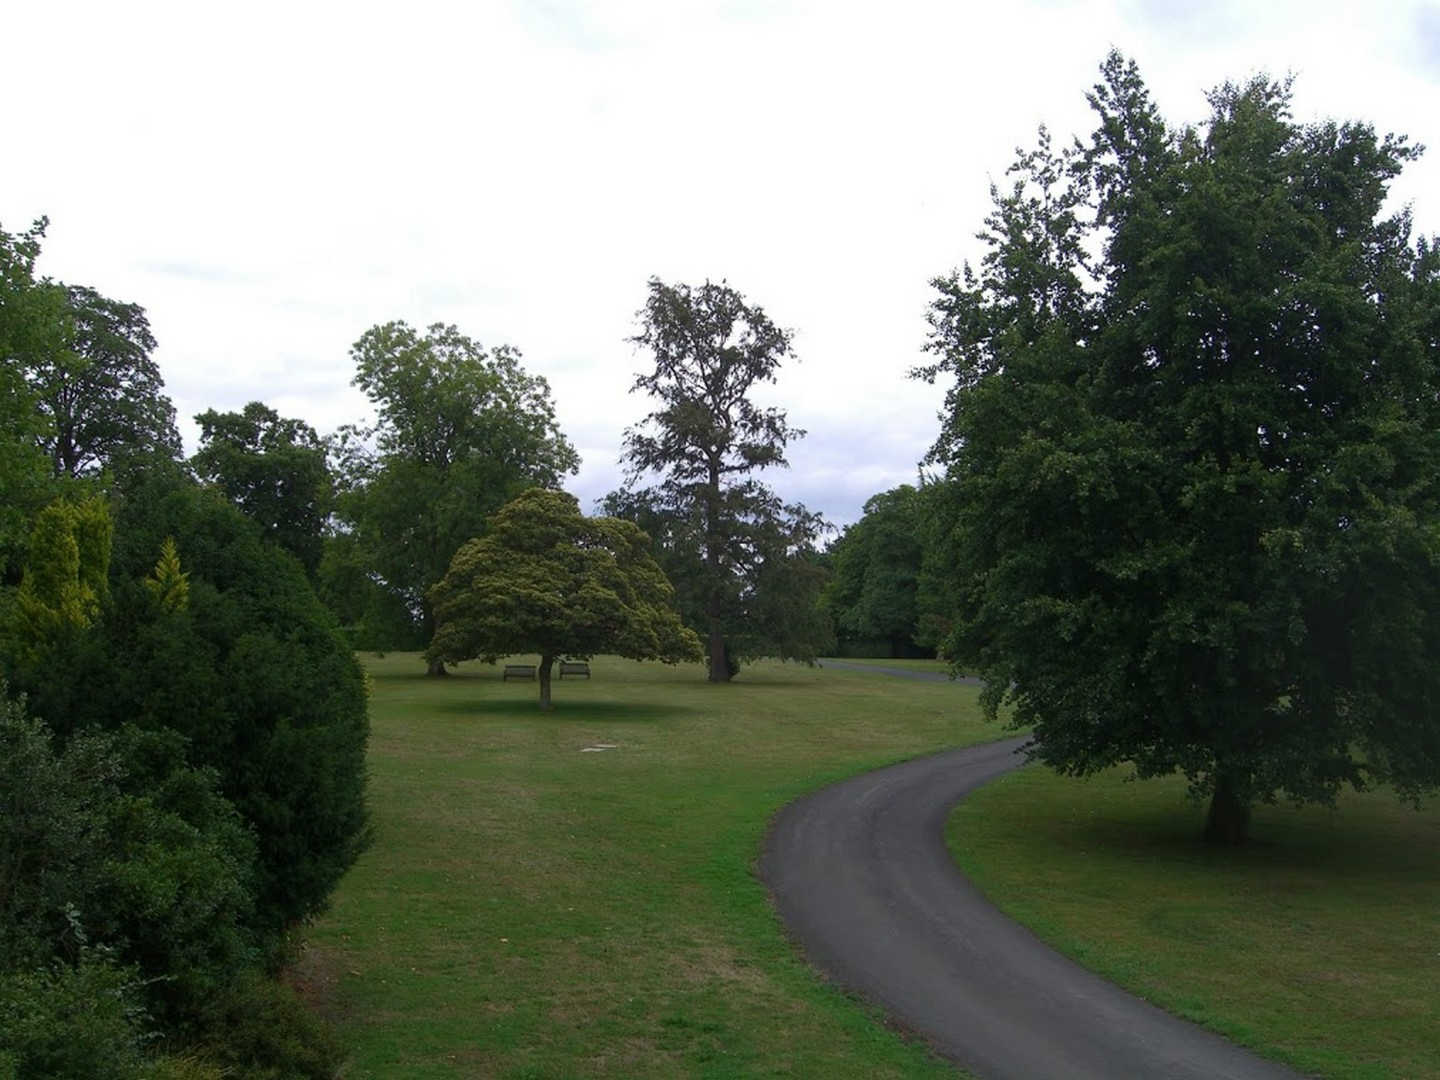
[(275, 470), (1193, 445), (739, 556), (100, 391), (873, 593), (461, 431), (545, 579)]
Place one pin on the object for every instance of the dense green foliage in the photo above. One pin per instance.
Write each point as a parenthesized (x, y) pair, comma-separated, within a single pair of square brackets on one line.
[(274, 469), (461, 430), (1194, 451), (548, 580), (873, 595), (188, 788), (250, 671), (66, 572), (31, 322), (115, 841), (100, 391), (741, 560)]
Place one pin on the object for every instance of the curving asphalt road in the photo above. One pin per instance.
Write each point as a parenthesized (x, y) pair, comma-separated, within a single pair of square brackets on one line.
[(861, 877)]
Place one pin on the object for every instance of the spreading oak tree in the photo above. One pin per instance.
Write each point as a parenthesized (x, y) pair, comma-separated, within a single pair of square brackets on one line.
[(546, 579), (1193, 453)]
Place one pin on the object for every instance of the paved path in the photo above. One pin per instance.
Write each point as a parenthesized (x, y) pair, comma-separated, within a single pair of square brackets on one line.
[(861, 877), (904, 673)]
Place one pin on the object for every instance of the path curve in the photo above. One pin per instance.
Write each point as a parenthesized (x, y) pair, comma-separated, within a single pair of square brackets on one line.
[(860, 874)]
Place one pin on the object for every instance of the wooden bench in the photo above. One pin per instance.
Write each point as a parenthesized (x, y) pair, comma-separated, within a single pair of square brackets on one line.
[(574, 667), (518, 671)]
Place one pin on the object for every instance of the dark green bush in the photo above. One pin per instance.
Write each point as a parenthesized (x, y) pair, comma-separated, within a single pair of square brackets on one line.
[(252, 673), (64, 1022), (115, 839), (260, 1030)]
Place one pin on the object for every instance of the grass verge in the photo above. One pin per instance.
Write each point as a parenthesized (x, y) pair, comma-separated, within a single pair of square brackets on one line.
[(938, 667), (1317, 944), (531, 910)]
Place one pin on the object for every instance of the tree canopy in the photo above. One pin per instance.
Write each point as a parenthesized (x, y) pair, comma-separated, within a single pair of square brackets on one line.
[(740, 557), (546, 579), (275, 469), (101, 391), (461, 430), (873, 592), (1193, 444)]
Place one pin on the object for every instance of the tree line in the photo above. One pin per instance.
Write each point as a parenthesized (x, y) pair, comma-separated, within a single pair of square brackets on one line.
[(184, 719)]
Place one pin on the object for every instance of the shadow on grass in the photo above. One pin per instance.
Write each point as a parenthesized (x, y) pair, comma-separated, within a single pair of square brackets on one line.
[(1281, 839), (588, 711)]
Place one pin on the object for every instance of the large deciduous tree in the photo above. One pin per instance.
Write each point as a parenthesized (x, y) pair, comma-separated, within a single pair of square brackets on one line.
[(740, 557), (546, 579), (461, 430), (100, 391), (1194, 450), (275, 470)]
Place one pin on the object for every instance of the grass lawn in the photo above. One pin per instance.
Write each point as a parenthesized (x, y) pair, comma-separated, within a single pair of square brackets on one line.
[(940, 667), (532, 910), (1319, 943)]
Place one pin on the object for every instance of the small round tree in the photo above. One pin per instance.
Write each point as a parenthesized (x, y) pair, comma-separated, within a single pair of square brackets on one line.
[(548, 580)]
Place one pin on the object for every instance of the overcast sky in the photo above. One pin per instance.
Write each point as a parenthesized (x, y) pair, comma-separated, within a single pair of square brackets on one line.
[(270, 179)]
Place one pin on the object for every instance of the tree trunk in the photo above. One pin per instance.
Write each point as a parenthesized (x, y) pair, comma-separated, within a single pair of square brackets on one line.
[(435, 668), (545, 663), (1229, 815), (719, 659)]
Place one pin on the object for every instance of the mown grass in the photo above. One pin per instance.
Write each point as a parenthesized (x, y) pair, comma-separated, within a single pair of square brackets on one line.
[(1317, 944), (939, 667), (531, 910)]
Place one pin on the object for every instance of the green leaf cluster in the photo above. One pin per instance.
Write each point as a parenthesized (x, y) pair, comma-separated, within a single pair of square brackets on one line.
[(461, 430), (546, 579), (275, 469), (167, 583), (66, 574)]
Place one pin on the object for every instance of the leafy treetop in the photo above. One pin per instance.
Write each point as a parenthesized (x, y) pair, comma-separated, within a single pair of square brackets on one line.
[(274, 469), (733, 547), (546, 579), (101, 391), (461, 430)]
